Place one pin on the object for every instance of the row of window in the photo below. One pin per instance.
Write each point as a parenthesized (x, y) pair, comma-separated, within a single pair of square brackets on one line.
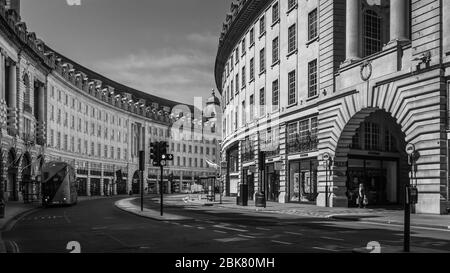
[(292, 97), (188, 149), (94, 113), (292, 45), (62, 143)]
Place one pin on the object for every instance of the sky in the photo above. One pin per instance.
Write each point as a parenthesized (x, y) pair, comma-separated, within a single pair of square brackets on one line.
[(162, 47)]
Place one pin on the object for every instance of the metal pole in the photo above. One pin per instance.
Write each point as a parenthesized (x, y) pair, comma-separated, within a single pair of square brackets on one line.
[(141, 173), (161, 190), (326, 184), (407, 221)]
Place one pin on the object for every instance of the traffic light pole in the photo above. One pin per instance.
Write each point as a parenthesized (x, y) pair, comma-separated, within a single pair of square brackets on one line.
[(161, 189), (141, 173)]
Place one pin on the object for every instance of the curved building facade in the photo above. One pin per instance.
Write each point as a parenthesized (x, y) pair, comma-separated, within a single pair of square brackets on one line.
[(354, 81), (53, 108)]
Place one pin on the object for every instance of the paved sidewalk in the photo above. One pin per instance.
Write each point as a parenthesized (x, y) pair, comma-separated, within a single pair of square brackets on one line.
[(380, 216)]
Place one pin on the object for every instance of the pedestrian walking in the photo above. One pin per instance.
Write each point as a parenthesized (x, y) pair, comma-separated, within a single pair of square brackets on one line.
[(362, 199)]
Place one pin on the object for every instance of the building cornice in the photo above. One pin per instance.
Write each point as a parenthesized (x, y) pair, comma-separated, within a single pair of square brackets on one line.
[(242, 14)]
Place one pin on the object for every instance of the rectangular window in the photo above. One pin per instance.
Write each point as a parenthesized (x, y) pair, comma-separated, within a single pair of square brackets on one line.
[(275, 13), (292, 93), (252, 69), (312, 24), (262, 101), (243, 77), (262, 25), (291, 4), (237, 55), (275, 95), (237, 83), (252, 107), (275, 50), (262, 60), (244, 115), (292, 39), (312, 78), (243, 46), (252, 36), (232, 90)]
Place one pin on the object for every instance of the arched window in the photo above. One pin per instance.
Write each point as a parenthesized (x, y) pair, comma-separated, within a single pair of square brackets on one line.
[(27, 95), (371, 32)]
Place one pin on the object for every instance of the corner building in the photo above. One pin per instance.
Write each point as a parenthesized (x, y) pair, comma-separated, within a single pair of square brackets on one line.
[(54, 109), (354, 79)]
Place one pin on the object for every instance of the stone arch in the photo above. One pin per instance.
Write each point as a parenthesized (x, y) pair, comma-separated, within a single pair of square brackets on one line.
[(340, 170), (12, 175), (26, 179), (416, 106)]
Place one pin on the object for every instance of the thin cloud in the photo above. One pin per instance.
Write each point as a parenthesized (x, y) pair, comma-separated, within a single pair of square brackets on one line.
[(177, 73)]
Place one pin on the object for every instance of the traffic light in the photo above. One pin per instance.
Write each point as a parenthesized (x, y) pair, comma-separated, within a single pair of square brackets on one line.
[(159, 155), (155, 155), (163, 152)]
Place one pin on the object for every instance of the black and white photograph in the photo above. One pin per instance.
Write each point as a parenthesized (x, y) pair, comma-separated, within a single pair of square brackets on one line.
[(234, 129)]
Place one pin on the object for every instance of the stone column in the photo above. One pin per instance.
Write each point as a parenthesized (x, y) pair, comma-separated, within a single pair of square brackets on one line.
[(12, 85), (352, 30), (88, 180), (2, 75), (102, 180), (114, 181), (284, 177), (398, 20)]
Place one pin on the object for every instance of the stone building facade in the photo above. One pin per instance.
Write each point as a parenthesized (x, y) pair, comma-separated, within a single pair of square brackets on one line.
[(357, 80), (54, 109)]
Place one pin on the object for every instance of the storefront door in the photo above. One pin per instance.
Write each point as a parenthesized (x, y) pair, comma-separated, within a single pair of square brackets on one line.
[(272, 183), (379, 177), (303, 181)]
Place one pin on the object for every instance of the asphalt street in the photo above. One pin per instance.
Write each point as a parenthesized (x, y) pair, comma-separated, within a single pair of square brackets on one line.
[(99, 227)]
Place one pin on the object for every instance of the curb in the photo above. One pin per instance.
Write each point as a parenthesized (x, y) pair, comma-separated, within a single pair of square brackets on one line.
[(145, 214), (355, 218), (11, 223)]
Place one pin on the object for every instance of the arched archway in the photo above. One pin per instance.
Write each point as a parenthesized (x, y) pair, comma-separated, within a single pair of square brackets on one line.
[(11, 178), (371, 150), (26, 182)]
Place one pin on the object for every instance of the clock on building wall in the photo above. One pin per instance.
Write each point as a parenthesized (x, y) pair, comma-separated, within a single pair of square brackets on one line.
[(366, 70)]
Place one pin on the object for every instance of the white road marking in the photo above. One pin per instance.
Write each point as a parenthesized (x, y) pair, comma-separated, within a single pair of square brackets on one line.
[(219, 231), (327, 249), (247, 236), (200, 227), (293, 233), (331, 238), (228, 240), (281, 242), (229, 228), (188, 226), (412, 227)]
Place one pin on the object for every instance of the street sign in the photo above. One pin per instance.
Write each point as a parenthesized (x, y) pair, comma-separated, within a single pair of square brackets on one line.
[(326, 156), (410, 149)]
